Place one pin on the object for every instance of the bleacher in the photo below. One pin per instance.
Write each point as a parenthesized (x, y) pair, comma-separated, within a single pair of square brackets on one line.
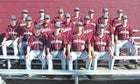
[(19, 69)]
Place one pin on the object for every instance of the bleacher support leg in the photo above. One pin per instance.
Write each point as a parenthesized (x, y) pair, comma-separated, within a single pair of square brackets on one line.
[(76, 79)]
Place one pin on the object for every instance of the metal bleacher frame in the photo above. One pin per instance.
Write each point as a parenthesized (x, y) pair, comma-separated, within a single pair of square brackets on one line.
[(76, 72)]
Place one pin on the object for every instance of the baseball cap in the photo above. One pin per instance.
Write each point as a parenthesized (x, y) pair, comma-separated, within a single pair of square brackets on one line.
[(13, 17), (79, 24), (91, 11), (47, 17), (67, 15), (41, 11), (28, 18), (37, 26), (100, 26), (24, 11), (86, 18), (105, 9), (57, 25), (124, 17), (76, 9), (120, 11), (105, 16), (60, 10)]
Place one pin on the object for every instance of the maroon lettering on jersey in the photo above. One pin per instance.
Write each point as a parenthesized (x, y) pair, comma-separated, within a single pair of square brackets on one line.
[(78, 43), (78, 19), (58, 19), (123, 33), (25, 32), (47, 29), (116, 22), (12, 32), (67, 29), (100, 44), (56, 43), (37, 42), (89, 30)]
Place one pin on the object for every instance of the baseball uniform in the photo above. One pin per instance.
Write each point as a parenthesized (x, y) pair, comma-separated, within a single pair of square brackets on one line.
[(78, 50), (36, 44), (100, 45), (25, 34), (56, 46), (124, 34)]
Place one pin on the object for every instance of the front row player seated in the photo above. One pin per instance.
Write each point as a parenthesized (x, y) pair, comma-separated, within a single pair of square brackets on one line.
[(77, 43), (101, 47), (56, 47), (36, 48)]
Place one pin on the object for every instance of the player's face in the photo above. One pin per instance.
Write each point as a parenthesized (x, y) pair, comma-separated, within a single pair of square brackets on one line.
[(28, 22), (61, 14), (105, 21), (77, 12), (42, 14), (79, 28), (120, 14), (37, 31), (87, 21), (67, 20), (91, 14), (101, 31), (106, 13), (13, 22), (57, 30), (24, 15), (47, 20), (124, 21)]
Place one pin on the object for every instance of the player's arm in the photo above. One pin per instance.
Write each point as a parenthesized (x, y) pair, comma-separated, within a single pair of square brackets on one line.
[(68, 51), (131, 35)]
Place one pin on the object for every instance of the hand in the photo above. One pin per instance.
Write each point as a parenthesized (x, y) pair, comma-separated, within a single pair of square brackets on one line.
[(69, 56), (112, 56), (117, 42), (112, 43), (43, 55), (48, 56), (19, 45), (89, 57), (64, 55), (94, 56), (3, 43), (27, 55), (14, 43)]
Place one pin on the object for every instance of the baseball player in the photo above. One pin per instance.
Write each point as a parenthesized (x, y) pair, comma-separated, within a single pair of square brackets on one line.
[(22, 21), (100, 44), (25, 33), (88, 28), (11, 37), (108, 29), (76, 17), (123, 37), (67, 26), (56, 47), (47, 26), (92, 17), (77, 43), (117, 21), (105, 11), (60, 17), (40, 19), (36, 48)]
